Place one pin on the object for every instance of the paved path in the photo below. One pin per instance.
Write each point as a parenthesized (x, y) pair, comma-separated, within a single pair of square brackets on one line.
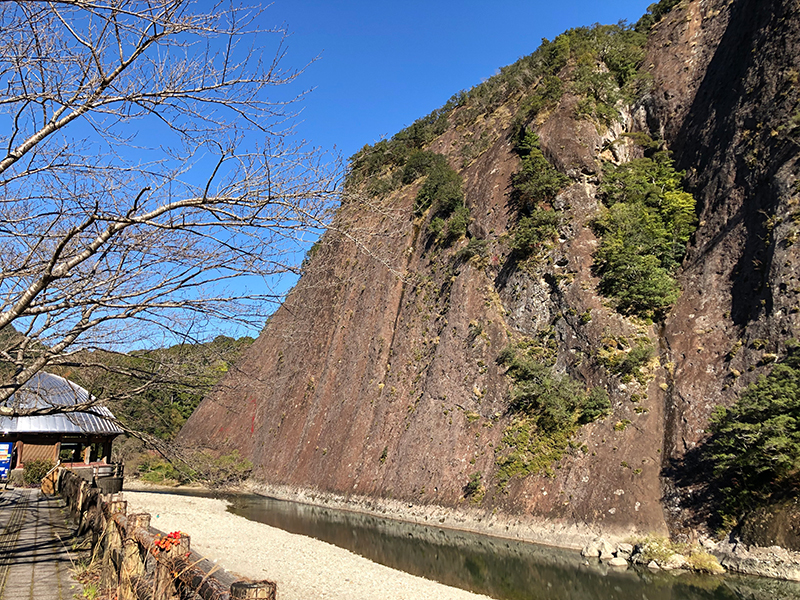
[(34, 563)]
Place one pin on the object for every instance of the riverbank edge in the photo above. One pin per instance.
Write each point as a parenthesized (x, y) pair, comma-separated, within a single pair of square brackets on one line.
[(567, 536), (773, 562), (556, 534)]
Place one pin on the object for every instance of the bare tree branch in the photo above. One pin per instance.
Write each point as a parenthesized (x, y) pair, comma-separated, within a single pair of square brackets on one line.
[(146, 175)]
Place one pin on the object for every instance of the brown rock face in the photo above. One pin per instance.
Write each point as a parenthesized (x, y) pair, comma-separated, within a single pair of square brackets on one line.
[(379, 375), (740, 301)]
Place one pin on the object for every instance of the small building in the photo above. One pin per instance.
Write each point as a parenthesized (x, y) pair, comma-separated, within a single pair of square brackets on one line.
[(71, 437)]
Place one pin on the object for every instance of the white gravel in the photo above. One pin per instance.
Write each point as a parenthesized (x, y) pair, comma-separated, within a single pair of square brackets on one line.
[(303, 568)]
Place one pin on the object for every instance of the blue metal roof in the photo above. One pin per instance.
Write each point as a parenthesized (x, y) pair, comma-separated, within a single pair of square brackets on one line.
[(46, 390)]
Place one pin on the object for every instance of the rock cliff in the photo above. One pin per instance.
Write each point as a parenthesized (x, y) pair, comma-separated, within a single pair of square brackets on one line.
[(379, 376)]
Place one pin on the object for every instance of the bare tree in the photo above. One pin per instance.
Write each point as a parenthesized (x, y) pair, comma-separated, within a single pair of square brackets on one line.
[(147, 178)]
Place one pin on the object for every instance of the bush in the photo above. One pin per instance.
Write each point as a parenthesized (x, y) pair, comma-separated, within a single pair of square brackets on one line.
[(225, 469), (596, 405), (535, 231), (644, 230), (441, 190), (655, 12), (665, 217), (419, 163), (534, 188), (436, 227), (159, 471), (474, 490), (545, 95), (476, 248), (442, 193), (310, 254), (755, 444), (372, 161), (537, 391), (638, 283), (656, 548), (704, 562), (34, 471), (627, 363), (661, 550), (457, 224), (635, 359), (378, 187), (549, 408), (557, 402), (447, 231), (537, 182), (599, 94)]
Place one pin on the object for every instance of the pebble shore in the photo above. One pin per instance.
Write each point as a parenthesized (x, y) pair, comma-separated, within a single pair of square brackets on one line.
[(302, 567)]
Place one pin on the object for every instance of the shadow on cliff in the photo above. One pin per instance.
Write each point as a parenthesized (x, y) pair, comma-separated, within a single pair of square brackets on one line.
[(726, 140), (514, 212), (697, 501), (694, 498)]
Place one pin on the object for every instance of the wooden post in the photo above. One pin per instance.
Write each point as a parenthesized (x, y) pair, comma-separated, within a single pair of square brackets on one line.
[(20, 446), (168, 565), (109, 574), (141, 520), (60, 479), (132, 565), (253, 590), (81, 499), (112, 556), (117, 506)]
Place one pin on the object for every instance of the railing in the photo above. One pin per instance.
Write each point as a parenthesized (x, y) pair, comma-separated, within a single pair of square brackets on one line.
[(141, 562)]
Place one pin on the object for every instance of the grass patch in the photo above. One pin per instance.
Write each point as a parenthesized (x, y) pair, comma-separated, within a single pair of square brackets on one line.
[(628, 364), (474, 491), (548, 410), (660, 550)]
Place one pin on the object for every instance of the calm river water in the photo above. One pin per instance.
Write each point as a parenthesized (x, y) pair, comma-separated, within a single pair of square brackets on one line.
[(502, 569)]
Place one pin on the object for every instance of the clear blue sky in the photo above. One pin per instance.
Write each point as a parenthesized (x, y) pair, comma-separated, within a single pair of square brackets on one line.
[(384, 64)]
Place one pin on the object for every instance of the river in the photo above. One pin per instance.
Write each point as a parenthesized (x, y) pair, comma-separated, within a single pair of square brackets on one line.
[(502, 569)]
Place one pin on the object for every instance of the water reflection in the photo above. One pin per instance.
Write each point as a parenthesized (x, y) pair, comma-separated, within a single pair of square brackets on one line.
[(506, 570)]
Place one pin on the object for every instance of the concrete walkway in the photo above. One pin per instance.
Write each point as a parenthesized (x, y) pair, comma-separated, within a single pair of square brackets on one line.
[(34, 538)]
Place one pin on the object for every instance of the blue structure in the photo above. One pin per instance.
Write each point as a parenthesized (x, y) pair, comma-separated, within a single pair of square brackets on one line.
[(76, 437), (5, 460)]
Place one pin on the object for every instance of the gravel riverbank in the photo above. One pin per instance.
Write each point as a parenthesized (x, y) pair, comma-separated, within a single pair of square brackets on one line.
[(303, 568)]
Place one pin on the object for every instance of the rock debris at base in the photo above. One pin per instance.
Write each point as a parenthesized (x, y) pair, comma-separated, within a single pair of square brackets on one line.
[(303, 568)]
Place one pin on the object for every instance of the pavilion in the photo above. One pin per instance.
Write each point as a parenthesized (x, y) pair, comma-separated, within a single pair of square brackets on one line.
[(69, 437)]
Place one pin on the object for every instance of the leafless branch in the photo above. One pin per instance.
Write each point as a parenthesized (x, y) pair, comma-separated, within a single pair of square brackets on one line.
[(148, 175)]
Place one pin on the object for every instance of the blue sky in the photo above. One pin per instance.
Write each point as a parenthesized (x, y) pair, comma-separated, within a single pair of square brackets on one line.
[(382, 65)]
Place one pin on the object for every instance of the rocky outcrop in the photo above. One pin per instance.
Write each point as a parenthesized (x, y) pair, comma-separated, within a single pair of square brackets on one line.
[(774, 525), (771, 561), (378, 377)]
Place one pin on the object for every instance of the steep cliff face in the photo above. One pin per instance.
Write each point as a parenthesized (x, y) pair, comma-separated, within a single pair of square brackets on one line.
[(735, 136), (380, 377)]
